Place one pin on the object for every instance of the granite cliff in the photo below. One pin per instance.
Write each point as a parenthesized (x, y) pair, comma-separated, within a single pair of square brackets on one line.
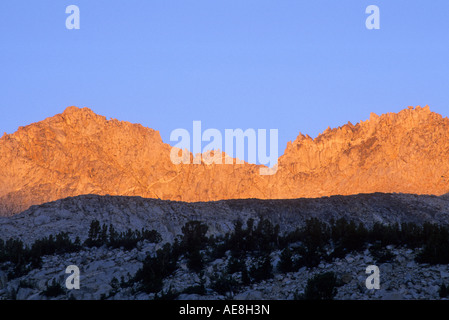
[(79, 152)]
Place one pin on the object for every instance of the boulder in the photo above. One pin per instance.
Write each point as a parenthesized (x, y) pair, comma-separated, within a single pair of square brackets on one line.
[(249, 295)]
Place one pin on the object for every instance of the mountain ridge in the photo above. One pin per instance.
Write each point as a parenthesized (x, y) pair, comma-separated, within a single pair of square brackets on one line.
[(74, 214), (79, 152)]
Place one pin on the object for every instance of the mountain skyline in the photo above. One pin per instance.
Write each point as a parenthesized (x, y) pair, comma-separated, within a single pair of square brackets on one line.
[(253, 64), (251, 150), (79, 152)]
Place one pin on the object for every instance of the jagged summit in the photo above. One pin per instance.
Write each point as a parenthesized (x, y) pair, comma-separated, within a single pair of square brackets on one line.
[(77, 110), (79, 152), (394, 152), (411, 116)]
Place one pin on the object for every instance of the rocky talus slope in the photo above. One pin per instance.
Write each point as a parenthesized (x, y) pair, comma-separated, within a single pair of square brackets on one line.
[(79, 152), (400, 279), (401, 276)]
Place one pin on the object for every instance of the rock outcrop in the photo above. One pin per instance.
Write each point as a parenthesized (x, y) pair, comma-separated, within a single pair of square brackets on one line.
[(401, 276), (404, 152), (78, 152), (401, 279), (74, 215)]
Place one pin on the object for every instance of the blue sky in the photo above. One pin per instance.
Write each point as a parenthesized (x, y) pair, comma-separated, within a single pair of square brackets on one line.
[(296, 66)]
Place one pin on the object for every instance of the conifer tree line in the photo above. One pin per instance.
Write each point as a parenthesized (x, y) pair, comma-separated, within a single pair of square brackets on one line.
[(246, 251), (19, 258), (250, 248)]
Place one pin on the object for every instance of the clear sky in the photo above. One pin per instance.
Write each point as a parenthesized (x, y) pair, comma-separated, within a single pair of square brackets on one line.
[(296, 66)]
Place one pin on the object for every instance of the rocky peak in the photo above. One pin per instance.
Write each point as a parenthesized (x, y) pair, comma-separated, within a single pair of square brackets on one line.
[(79, 152), (397, 152)]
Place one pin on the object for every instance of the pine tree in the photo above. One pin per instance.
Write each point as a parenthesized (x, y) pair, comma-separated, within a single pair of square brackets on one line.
[(262, 269), (321, 287), (245, 276), (94, 234), (286, 263), (193, 240)]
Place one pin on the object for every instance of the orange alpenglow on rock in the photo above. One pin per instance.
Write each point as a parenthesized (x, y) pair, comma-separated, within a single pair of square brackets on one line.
[(78, 152)]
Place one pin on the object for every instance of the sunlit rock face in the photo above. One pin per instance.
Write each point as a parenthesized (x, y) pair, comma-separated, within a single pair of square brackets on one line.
[(79, 152)]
